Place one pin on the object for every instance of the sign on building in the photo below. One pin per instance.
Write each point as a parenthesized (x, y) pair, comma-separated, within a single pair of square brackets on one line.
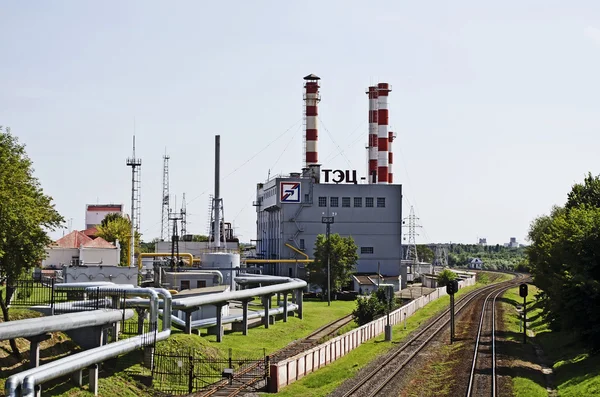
[(289, 192)]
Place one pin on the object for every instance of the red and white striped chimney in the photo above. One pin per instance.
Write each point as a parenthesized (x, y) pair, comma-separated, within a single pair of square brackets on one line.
[(390, 159), (373, 145), (383, 139), (311, 99)]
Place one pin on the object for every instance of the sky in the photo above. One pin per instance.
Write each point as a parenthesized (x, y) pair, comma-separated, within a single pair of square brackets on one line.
[(495, 104)]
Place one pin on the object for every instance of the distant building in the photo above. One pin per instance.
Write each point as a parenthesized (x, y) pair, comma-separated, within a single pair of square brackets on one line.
[(513, 243), (483, 241), (95, 213), (78, 249), (475, 263)]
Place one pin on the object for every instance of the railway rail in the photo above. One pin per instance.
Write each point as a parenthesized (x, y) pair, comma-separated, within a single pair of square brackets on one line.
[(247, 377), (484, 353), (380, 380)]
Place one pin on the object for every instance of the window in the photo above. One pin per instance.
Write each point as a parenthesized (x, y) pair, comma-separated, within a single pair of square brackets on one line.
[(290, 272), (366, 250), (322, 201), (334, 201), (358, 201), (346, 202), (185, 284), (306, 198), (302, 244), (380, 202), (369, 202), (200, 283)]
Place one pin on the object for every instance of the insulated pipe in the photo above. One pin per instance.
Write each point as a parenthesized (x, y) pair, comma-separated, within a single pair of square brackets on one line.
[(196, 301), (279, 260), (166, 254), (311, 100), (82, 285), (79, 361), (63, 322), (262, 280), (383, 90), (373, 141), (167, 302), (215, 272), (136, 291), (297, 250), (207, 322)]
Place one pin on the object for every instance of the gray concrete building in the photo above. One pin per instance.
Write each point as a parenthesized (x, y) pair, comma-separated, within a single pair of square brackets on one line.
[(290, 210)]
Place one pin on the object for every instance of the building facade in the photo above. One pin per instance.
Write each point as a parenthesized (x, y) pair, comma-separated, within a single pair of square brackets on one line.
[(290, 211), (95, 213)]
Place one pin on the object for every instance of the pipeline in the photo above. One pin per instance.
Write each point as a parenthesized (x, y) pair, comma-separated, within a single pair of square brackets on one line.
[(72, 363), (80, 361), (209, 322), (165, 254), (38, 326)]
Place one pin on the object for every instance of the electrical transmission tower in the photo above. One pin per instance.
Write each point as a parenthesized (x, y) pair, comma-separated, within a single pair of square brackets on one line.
[(136, 186), (183, 217), (411, 245), (441, 255), (164, 225)]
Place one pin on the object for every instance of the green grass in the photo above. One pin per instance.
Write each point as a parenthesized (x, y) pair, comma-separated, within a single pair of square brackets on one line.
[(576, 372)]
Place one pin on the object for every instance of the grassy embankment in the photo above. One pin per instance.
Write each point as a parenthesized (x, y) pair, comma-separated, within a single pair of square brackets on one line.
[(116, 379), (327, 379), (576, 373)]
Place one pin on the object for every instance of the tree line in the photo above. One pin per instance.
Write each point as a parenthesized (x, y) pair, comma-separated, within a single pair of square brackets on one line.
[(564, 260)]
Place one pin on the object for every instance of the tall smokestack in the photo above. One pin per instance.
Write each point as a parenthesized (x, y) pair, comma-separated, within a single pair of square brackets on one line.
[(311, 100), (390, 159), (217, 198), (383, 90), (373, 145)]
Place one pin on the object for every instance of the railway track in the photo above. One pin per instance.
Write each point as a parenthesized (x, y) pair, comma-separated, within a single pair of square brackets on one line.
[(380, 381), (482, 378), (250, 375)]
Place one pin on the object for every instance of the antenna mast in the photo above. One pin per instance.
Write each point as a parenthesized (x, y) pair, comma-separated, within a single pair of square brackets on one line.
[(164, 226), (183, 217), (136, 185)]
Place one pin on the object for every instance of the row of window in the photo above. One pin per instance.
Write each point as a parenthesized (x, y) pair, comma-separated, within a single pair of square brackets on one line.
[(358, 202)]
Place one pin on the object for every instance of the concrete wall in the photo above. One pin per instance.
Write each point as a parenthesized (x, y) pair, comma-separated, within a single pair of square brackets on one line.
[(290, 370), (380, 228), (108, 256), (59, 257), (115, 274)]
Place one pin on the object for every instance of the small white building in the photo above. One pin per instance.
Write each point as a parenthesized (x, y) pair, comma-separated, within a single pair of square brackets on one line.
[(78, 249), (366, 284), (475, 263)]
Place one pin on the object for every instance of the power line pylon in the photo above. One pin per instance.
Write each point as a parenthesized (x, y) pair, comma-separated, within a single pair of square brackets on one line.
[(164, 225), (411, 246), (136, 186)]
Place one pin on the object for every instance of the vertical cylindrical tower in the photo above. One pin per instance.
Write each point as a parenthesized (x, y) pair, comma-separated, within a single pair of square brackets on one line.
[(311, 100), (383, 90), (390, 159), (373, 131)]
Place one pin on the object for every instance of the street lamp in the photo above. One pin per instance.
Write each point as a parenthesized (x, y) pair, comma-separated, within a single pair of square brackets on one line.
[(328, 220)]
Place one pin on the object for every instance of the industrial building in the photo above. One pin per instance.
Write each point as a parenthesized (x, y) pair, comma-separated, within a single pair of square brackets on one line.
[(291, 209)]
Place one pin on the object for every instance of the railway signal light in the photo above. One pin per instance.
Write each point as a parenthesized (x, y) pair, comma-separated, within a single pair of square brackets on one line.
[(523, 290), (452, 287)]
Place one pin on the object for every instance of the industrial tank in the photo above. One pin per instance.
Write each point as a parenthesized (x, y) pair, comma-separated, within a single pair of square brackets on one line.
[(223, 261)]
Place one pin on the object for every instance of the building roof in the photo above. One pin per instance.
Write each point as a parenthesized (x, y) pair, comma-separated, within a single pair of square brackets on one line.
[(105, 207), (90, 232), (72, 240), (99, 242), (367, 280)]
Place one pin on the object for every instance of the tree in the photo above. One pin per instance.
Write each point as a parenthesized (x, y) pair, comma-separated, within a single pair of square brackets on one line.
[(343, 259), (445, 277), (26, 214), (372, 307), (425, 253), (199, 238), (118, 227), (564, 260)]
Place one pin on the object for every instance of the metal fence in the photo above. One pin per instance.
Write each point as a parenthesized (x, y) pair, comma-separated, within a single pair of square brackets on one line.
[(30, 292), (187, 371)]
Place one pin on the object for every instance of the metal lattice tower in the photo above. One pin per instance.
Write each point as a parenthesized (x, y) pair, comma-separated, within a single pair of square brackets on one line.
[(411, 246), (136, 186), (210, 215), (441, 255), (183, 217), (164, 225)]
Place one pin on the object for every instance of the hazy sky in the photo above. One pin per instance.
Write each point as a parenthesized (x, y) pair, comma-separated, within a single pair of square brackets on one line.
[(496, 106)]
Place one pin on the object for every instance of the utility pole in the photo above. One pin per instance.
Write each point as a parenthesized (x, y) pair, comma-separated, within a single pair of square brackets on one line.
[(183, 217), (328, 220), (174, 217)]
